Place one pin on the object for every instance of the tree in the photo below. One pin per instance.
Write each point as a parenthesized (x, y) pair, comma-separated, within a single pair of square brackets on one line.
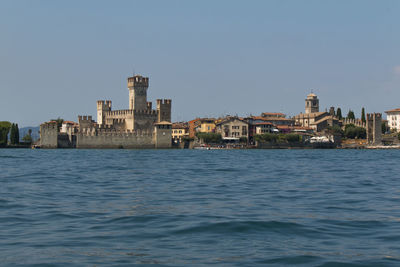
[(27, 138), (209, 137), (351, 131), (351, 115), (59, 122), (363, 115), (14, 134), (335, 130), (17, 133), (385, 129), (339, 113), (4, 130), (243, 139)]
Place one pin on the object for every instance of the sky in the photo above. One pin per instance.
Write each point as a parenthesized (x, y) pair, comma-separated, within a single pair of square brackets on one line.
[(212, 58)]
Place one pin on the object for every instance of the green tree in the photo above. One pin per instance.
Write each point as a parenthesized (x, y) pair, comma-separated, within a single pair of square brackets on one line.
[(209, 137), (351, 131), (59, 122), (363, 115), (384, 128), (335, 130), (14, 134), (351, 115), (339, 113), (4, 130), (27, 138), (17, 133)]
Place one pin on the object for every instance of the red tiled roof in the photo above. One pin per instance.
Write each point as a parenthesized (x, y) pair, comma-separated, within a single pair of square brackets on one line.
[(262, 123), (393, 110), (270, 119), (273, 113)]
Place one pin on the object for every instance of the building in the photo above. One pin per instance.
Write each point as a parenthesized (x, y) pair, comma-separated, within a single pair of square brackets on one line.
[(140, 126), (204, 125), (393, 118), (232, 128), (180, 130), (312, 104), (374, 128), (313, 118)]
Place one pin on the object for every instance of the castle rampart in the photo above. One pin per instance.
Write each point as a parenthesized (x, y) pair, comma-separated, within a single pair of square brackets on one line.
[(128, 128)]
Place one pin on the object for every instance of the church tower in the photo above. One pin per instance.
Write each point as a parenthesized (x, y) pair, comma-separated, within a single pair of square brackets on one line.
[(138, 86), (312, 103)]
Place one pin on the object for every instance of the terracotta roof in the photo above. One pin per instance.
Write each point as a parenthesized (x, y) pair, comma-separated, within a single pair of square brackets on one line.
[(69, 122), (393, 110), (293, 127), (273, 113), (230, 119), (326, 118), (262, 123), (180, 125), (310, 115)]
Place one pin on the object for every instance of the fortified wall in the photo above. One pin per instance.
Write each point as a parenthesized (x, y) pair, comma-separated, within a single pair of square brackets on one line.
[(140, 126)]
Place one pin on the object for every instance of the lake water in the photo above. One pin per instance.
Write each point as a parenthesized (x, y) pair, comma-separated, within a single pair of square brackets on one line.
[(192, 207)]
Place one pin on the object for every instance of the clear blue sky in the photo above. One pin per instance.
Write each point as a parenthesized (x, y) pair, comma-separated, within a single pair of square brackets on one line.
[(211, 57)]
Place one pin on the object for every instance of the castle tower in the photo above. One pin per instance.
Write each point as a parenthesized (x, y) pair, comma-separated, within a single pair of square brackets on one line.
[(138, 86), (312, 104), (102, 107), (163, 110), (374, 128)]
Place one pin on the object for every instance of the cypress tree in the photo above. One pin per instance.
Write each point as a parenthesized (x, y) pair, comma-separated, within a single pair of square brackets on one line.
[(363, 115), (12, 134), (351, 115), (16, 133), (339, 113)]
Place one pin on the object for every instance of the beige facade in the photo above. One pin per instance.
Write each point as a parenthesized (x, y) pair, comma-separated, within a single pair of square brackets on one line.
[(232, 128), (314, 119), (180, 130)]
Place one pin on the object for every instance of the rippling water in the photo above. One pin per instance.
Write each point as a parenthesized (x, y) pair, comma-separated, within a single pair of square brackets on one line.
[(189, 207)]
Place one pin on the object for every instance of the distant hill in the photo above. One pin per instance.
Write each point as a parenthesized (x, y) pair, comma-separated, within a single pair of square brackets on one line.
[(35, 132)]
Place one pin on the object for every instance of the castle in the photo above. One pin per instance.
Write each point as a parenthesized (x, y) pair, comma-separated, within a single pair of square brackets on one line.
[(140, 126)]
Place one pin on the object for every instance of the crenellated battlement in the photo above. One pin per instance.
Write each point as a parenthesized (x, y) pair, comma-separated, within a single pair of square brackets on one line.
[(355, 122), (104, 104), (371, 116), (138, 81), (119, 113), (51, 125), (164, 102), (164, 110), (98, 132), (145, 112), (85, 118)]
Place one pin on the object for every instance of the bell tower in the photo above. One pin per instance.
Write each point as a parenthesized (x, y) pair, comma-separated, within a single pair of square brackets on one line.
[(138, 86), (312, 103)]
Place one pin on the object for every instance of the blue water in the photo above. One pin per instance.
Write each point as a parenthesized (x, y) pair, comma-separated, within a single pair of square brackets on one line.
[(190, 207)]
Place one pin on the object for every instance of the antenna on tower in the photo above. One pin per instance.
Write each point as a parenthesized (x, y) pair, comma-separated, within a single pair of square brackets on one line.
[(133, 71)]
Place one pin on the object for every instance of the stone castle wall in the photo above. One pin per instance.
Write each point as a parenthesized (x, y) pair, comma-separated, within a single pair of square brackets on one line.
[(49, 135), (114, 140)]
